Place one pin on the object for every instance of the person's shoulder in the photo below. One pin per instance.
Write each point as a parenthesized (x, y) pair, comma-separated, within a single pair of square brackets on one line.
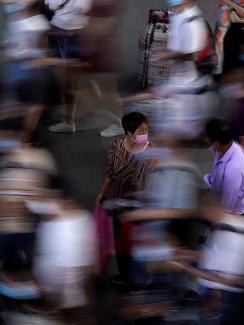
[(237, 161), (194, 17)]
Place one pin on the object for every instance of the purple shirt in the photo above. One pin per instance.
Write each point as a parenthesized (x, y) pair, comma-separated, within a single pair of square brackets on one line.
[(227, 179)]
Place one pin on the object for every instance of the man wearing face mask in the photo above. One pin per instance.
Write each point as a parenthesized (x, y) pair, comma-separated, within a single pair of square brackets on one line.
[(227, 177)]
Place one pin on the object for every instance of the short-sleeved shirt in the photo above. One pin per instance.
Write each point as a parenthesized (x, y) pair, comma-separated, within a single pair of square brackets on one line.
[(227, 179), (127, 169), (187, 35), (69, 15)]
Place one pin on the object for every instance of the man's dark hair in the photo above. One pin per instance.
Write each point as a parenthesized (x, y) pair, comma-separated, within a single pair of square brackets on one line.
[(132, 121), (219, 130)]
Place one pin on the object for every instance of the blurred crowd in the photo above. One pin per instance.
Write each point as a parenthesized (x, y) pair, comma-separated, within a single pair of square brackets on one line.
[(172, 234)]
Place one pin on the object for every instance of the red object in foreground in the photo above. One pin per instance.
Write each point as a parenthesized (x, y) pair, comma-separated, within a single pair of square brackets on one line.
[(105, 238)]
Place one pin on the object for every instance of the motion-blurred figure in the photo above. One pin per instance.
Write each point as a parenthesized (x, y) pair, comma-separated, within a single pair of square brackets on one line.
[(186, 99), (24, 42), (227, 177), (65, 256), (228, 35), (66, 41)]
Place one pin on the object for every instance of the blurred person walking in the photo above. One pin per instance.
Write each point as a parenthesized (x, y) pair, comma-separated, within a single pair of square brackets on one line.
[(65, 257), (68, 21), (186, 99), (24, 42)]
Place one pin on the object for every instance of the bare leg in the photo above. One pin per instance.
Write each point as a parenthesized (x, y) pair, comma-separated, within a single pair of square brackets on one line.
[(31, 121)]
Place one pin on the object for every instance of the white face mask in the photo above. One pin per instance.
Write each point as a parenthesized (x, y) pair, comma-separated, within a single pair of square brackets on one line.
[(46, 208)]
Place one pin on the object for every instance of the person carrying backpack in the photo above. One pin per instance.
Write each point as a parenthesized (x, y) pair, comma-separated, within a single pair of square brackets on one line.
[(186, 100)]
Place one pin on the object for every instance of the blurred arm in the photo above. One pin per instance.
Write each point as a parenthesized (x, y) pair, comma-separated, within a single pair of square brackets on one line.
[(239, 10), (138, 98), (154, 214), (166, 55)]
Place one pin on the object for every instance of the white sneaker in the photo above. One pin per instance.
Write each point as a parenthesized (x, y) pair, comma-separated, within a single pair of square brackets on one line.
[(63, 127), (112, 131)]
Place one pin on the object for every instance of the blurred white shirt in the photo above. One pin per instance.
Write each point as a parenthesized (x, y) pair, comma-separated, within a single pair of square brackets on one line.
[(186, 36), (63, 247), (23, 36), (71, 15), (224, 253)]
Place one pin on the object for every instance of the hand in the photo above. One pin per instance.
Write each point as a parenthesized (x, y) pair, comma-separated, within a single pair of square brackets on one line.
[(178, 266), (186, 255), (240, 12), (212, 214), (132, 216), (101, 197), (238, 9)]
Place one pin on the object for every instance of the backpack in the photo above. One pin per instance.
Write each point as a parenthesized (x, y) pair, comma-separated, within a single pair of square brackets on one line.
[(205, 59)]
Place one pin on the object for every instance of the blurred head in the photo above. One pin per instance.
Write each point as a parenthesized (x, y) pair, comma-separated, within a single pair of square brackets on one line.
[(179, 5), (218, 133), (135, 126)]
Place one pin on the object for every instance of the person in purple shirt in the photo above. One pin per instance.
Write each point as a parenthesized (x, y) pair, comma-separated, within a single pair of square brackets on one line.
[(227, 177)]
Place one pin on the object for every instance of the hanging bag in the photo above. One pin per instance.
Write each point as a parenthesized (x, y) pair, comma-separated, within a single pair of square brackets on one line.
[(105, 238)]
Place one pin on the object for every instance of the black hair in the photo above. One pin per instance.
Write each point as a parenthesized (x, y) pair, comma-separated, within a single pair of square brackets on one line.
[(219, 130), (132, 121)]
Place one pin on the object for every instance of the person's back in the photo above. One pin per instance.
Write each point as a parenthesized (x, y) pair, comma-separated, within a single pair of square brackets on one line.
[(187, 36)]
